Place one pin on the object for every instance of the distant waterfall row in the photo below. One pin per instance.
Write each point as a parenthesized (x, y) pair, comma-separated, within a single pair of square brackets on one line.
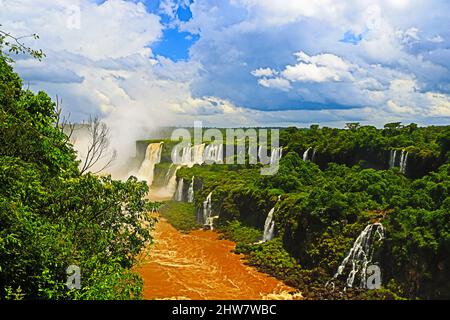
[(402, 162), (361, 255), (189, 155)]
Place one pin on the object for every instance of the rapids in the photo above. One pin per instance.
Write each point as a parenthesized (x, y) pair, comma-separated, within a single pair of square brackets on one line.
[(199, 266)]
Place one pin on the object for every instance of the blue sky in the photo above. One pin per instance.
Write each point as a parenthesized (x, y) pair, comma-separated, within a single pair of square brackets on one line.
[(241, 62)]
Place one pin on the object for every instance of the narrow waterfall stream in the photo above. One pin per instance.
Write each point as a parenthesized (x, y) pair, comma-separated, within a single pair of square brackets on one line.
[(361, 254), (179, 194), (306, 154), (269, 226), (190, 196)]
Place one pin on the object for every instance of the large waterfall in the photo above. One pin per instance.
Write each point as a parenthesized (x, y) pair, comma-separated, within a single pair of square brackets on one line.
[(361, 254), (152, 157), (306, 154), (269, 226), (179, 194), (190, 197)]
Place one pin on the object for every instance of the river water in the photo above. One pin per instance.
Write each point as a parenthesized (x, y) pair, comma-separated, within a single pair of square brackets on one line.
[(200, 266)]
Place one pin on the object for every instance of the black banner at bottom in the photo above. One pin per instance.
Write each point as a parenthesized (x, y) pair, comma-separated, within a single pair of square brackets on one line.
[(191, 310)]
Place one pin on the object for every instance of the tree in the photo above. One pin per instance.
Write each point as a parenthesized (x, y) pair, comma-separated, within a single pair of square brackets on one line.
[(97, 150)]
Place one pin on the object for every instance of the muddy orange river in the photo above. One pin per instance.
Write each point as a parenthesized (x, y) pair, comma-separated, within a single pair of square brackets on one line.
[(200, 266)]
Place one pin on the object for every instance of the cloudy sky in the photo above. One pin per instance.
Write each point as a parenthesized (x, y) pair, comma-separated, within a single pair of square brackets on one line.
[(240, 62)]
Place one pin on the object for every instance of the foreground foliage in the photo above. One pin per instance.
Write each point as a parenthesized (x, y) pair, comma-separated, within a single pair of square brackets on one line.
[(51, 216)]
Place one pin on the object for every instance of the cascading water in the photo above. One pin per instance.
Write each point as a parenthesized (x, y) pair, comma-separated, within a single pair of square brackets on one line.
[(152, 157), (190, 196), (276, 155), (313, 155), (179, 196), (403, 161), (260, 152), (306, 154), (198, 154), (392, 159), (361, 254), (190, 155), (208, 218), (269, 226), (171, 178)]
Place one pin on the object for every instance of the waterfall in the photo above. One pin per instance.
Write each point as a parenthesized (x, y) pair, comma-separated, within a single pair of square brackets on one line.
[(260, 152), (208, 218), (213, 153), (171, 178), (198, 154), (361, 254), (186, 156), (276, 155), (269, 226), (190, 155), (392, 159), (152, 157), (179, 196), (190, 197), (313, 155), (305, 154), (403, 161)]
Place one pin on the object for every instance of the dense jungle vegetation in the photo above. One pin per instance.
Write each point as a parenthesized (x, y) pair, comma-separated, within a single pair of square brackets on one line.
[(52, 216)]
